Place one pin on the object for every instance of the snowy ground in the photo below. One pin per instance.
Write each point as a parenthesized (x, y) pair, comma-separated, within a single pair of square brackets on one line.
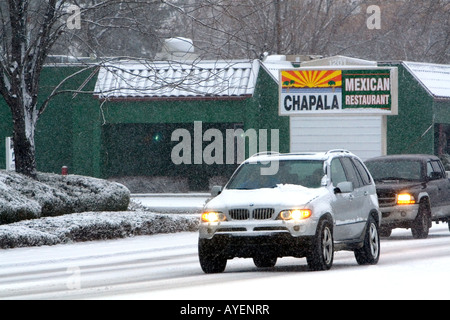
[(165, 267), (87, 226), (186, 203)]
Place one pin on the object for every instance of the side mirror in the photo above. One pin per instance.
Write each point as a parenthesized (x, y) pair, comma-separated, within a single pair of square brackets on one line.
[(344, 187), (216, 190), (437, 176)]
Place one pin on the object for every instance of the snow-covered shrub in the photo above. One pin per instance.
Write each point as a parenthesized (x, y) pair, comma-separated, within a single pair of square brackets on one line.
[(87, 194), (15, 204), (24, 198), (20, 236), (90, 226)]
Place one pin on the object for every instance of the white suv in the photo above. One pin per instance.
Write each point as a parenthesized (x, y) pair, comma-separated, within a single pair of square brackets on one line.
[(301, 205)]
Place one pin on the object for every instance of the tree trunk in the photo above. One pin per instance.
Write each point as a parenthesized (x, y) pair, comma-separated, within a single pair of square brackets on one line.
[(24, 145)]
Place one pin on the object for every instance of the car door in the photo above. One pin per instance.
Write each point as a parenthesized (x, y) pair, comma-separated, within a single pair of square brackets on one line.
[(357, 222), (445, 187), (344, 205), (438, 188)]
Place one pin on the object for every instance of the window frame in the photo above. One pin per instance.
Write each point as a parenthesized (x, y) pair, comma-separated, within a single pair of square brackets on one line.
[(352, 172)]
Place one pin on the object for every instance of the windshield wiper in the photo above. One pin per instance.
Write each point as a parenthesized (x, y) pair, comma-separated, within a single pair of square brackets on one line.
[(254, 188), (394, 179)]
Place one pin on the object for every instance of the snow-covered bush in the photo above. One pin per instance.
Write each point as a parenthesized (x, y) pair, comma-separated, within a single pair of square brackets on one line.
[(90, 226), (87, 194), (100, 210), (23, 198)]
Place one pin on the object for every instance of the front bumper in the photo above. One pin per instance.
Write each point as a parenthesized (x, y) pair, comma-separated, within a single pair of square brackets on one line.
[(274, 238), (255, 228), (398, 216), (269, 245)]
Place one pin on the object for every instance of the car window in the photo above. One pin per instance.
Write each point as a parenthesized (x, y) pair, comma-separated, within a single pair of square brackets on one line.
[(307, 173), (434, 170), (391, 170), (351, 172), (365, 176), (429, 169), (337, 172)]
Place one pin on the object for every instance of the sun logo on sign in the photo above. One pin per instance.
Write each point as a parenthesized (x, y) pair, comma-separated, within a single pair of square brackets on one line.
[(311, 79)]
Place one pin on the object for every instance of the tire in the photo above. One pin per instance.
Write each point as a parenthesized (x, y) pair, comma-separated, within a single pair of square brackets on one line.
[(369, 254), (321, 255), (210, 257), (265, 261), (421, 225)]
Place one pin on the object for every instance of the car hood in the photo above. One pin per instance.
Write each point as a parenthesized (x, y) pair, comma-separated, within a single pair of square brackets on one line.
[(286, 196), (398, 186)]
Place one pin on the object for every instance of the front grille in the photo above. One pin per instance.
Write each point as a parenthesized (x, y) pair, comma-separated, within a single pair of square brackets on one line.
[(257, 214), (387, 198), (270, 229), (231, 230), (239, 214), (263, 213)]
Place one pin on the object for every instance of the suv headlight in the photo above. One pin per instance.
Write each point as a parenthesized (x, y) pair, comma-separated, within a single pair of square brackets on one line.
[(213, 216), (405, 198), (295, 214)]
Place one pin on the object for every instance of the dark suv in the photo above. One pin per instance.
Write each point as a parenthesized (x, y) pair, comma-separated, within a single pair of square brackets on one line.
[(413, 191)]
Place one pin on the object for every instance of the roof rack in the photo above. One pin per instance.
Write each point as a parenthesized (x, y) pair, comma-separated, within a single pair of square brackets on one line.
[(299, 153), (338, 151), (265, 153)]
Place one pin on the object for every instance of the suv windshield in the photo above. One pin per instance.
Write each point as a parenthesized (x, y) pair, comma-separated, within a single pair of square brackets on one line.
[(307, 173), (408, 170)]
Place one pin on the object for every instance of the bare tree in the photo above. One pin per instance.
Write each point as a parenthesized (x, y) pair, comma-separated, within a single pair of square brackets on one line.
[(29, 32), (421, 30), (411, 29), (120, 28), (25, 45), (231, 28)]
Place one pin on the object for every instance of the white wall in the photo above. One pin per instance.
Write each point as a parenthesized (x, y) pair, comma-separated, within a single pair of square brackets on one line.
[(362, 135)]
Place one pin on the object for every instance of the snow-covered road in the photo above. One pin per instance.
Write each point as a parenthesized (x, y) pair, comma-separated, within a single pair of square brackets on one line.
[(166, 267), (173, 203)]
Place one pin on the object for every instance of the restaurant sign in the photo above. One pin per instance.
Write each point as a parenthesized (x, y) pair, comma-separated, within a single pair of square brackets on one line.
[(339, 91)]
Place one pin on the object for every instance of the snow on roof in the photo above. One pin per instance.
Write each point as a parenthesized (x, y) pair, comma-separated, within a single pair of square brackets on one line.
[(273, 64), (198, 79), (434, 77), (336, 61)]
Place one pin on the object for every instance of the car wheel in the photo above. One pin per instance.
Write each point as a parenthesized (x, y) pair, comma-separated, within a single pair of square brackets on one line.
[(421, 225), (265, 261), (370, 252), (321, 254), (210, 258)]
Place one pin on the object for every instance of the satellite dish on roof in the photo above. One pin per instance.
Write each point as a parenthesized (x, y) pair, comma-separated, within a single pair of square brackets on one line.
[(177, 49), (179, 45)]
